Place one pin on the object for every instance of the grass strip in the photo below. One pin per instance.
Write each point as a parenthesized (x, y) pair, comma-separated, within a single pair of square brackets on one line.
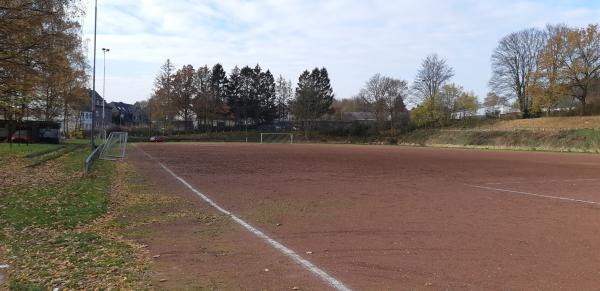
[(44, 152), (50, 232), (53, 155), (22, 150)]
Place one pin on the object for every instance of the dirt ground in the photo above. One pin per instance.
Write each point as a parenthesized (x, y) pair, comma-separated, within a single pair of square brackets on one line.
[(194, 247), (385, 218)]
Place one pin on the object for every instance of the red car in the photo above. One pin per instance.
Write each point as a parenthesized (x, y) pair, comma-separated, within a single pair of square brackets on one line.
[(156, 139), (21, 136)]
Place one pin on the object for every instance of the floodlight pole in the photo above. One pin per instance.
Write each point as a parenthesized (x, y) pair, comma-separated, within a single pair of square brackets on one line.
[(104, 51), (94, 76)]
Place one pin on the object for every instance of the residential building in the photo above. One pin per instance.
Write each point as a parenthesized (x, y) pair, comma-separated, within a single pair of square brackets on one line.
[(84, 122), (130, 115)]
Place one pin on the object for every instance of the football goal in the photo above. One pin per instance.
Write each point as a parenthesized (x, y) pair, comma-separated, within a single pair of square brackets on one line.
[(114, 147), (276, 137)]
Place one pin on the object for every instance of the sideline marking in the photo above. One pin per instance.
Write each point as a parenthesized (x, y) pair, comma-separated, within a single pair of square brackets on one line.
[(544, 181), (277, 245), (536, 195)]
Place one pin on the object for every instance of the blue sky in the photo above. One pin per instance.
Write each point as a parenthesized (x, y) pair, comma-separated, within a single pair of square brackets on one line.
[(352, 39)]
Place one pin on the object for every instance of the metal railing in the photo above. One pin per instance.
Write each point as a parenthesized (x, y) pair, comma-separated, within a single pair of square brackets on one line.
[(89, 161)]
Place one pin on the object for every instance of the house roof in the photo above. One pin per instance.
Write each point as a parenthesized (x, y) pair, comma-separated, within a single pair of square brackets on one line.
[(99, 101), (124, 107)]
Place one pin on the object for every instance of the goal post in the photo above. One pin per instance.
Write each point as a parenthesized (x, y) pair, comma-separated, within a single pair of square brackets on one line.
[(114, 147), (276, 137)]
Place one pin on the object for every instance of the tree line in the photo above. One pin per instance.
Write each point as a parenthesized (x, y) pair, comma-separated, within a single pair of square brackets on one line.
[(43, 74), (42, 64), (536, 71), (435, 100), (249, 96), (540, 68)]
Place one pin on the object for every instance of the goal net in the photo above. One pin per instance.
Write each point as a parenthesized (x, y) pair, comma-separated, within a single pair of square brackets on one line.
[(114, 147), (276, 137)]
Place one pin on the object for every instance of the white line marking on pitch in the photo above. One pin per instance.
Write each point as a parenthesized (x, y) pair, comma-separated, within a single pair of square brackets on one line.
[(3, 266), (537, 195), (544, 181), (277, 245)]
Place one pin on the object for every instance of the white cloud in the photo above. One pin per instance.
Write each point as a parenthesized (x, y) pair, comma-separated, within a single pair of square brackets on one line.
[(353, 39)]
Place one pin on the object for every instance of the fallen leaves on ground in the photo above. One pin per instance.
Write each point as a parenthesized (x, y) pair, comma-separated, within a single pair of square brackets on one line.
[(89, 255)]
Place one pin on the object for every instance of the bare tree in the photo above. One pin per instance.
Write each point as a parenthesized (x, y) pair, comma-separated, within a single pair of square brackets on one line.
[(514, 62), (203, 96), (183, 92), (432, 76), (372, 94), (283, 97), (395, 92), (386, 97), (161, 101)]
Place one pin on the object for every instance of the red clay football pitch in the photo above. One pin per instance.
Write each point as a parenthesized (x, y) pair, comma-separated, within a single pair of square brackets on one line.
[(397, 218)]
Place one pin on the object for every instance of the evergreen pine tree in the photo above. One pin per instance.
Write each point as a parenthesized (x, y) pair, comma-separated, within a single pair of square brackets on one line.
[(234, 97), (218, 86), (266, 94), (314, 96), (326, 96), (248, 101)]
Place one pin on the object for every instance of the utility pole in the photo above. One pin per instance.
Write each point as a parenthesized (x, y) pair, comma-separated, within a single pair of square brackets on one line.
[(94, 76), (104, 51)]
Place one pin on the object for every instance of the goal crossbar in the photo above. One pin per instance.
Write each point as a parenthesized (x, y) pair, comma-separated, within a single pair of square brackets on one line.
[(276, 137)]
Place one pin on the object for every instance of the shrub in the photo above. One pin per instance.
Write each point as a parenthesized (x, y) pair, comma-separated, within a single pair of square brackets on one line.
[(76, 134)]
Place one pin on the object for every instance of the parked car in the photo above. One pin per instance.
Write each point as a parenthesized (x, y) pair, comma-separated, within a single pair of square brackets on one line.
[(51, 135), (21, 136), (156, 139)]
